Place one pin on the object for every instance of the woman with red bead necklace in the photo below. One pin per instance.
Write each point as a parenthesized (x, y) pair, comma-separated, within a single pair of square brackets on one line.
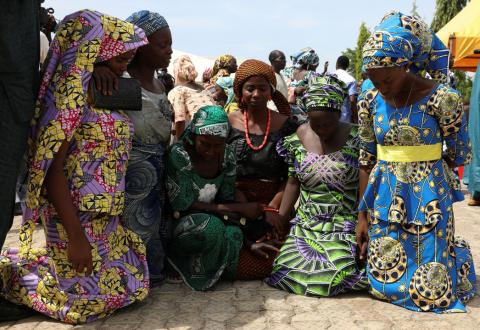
[(261, 172)]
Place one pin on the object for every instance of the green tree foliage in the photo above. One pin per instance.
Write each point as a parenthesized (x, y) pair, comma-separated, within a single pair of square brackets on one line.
[(362, 38), (464, 84), (446, 10), (355, 54)]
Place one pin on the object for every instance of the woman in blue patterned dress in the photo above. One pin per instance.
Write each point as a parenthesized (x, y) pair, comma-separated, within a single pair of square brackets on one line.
[(408, 186), (145, 212)]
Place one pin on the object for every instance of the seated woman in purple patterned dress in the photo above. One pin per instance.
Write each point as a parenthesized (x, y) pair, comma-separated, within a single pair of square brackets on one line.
[(318, 256)]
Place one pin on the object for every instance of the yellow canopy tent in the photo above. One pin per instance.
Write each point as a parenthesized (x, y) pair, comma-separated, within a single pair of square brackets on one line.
[(462, 35)]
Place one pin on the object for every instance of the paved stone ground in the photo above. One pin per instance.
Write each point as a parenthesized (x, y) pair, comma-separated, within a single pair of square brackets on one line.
[(254, 305)]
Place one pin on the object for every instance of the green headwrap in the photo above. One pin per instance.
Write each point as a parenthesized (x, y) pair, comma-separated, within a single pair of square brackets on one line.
[(208, 120), (325, 93)]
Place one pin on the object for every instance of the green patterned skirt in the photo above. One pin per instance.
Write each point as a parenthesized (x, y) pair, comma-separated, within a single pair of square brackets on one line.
[(317, 264), (204, 249)]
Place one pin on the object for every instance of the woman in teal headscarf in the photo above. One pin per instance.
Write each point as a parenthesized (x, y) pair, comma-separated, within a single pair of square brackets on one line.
[(319, 254), (406, 214), (226, 83), (201, 173)]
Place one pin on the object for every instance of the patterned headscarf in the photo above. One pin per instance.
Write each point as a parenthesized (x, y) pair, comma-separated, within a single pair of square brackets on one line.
[(220, 67), (325, 93), (222, 62), (83, 39), (251, 68), (208, 120), (149, 21), (306, 56), (184, 69), (405, 40)]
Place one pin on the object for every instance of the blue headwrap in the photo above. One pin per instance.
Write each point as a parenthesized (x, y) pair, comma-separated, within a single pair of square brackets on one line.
[(226, 83), (400, 40), (148, 21), (388, 47), (306, 56)]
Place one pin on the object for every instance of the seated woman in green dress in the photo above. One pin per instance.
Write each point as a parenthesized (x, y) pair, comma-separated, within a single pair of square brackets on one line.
[(201, 173), (318, 257)]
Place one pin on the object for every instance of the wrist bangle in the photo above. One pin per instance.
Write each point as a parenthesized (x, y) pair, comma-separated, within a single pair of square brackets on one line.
[(270, 209)]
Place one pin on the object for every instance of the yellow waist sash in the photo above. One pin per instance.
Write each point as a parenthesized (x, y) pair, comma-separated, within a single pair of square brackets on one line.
[(407, 154)]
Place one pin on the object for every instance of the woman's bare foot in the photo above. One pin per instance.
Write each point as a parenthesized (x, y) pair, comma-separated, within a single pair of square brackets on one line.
[(473, 202)]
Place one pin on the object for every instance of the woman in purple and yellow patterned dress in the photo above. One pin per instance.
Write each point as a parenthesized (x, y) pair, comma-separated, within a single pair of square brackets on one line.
[(91, 265)]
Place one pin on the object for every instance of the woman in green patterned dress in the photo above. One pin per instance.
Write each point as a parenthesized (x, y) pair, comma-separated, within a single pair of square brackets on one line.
[(201, 173), (318, 257)]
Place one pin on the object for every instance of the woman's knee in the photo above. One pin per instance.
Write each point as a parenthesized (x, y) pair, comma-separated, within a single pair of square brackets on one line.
[(198, 233)]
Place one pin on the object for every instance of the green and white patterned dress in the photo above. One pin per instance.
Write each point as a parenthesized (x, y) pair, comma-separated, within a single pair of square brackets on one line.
[(318, 257)]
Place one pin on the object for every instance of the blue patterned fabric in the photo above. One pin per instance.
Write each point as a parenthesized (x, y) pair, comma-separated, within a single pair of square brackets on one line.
[(306, 56), (391, 46), (413, 259), (366, 84), (406, 40), (420, 268), (148, 21), (412, 192), (145, 212)]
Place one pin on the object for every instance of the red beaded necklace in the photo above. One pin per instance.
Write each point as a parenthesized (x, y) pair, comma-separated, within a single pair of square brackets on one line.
[(247, 137)]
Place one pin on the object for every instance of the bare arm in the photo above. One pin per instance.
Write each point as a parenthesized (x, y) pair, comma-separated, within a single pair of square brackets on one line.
[(362, 226), (273, 217), (353, 108), (290, 196), (363, 179), (79, 250), (277, 199), (179, 129)]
